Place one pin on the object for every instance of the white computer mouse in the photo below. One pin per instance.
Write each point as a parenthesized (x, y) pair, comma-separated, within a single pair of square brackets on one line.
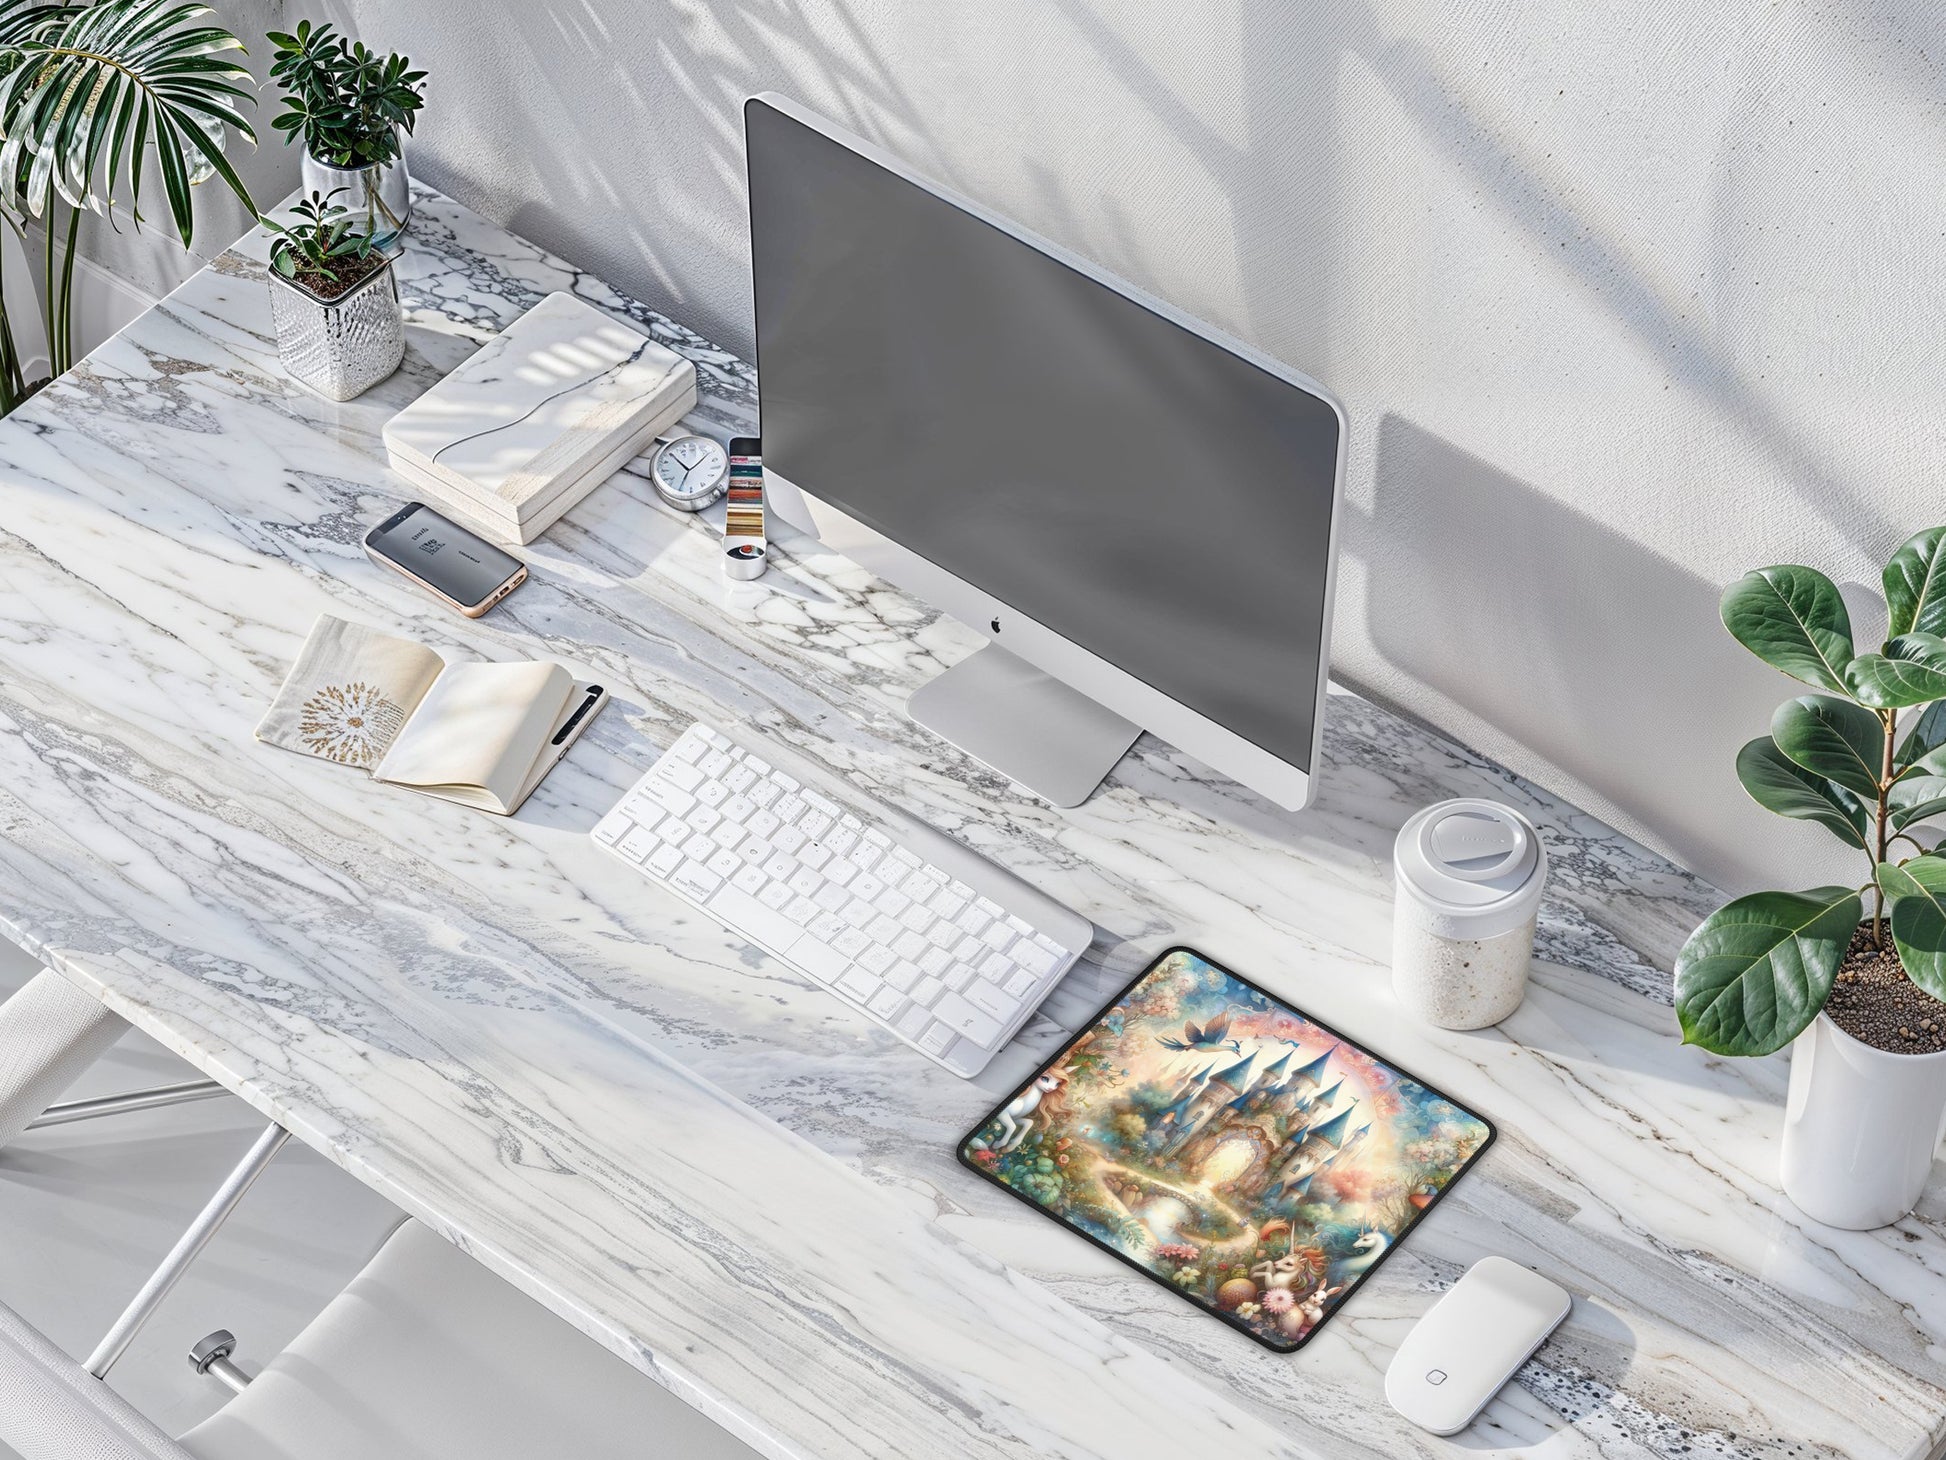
[(1470, 1343)]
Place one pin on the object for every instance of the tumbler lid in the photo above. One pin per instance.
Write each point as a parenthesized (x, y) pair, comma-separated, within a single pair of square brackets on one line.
[(1476, 867)]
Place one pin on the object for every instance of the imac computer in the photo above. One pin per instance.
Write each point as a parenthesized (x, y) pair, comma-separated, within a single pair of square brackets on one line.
[(1137, 511)]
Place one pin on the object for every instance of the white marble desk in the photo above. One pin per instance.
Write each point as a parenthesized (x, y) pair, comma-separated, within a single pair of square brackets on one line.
[(712, 1166)]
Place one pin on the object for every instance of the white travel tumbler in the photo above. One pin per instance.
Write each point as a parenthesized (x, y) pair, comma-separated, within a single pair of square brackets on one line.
[(1469, 876)]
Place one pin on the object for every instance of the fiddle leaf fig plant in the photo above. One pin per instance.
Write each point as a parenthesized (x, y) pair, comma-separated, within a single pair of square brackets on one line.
[(1865, 758)]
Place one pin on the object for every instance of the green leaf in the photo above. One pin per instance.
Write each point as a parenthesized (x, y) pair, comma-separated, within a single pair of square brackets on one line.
[(1911, 671), (1755, 974), (1777, 783), (1832, 738), (1915, 585), (1917, 898), (1925, 735), (1913, 798), (1792, 618)]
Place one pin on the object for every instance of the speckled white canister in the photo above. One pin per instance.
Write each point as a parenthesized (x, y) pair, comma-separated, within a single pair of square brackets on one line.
[(1469, 875)]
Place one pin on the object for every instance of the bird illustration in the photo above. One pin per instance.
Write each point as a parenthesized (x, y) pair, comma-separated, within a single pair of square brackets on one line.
[(1213, 1035)]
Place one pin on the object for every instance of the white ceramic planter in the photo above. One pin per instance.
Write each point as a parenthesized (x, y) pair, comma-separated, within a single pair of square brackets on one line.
[(1860, 1127)]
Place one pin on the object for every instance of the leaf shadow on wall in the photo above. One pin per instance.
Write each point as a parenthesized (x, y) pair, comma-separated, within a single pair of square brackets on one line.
[(1549, 625)]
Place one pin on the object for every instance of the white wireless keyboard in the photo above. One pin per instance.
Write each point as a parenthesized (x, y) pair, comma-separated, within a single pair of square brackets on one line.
[(943, 948)]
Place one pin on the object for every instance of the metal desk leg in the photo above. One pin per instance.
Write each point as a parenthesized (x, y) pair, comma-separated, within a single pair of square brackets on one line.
[(49, 1033)]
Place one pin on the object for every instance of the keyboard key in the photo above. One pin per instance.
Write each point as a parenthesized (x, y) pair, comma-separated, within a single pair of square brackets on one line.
[(763, 823), (934, 962), (638, 844), (814, 856), (851, 942), (788, 839), (999, 937), (842, 841), (969, 950), (756, 850), (820, 962), (822, 804), (690, 747), (665, 860), (801, 910), (997, 1002), (1019, 983), (909, 945), (926, 990), (764, 793), (714, 764), (780, 866), (815, 823), (725, 863), (918, 886), (937, 1039), (712, 793), (949, 906), (716, 738), (789, 808), (739, 808), (886, 1003), (1028, 955), (942, 935), (858, 913), (740, 778), (855, 983), (972, 921), (917, 918), (749, 879), (824, 928), (841, 872), (883, 929), (881, 961), (670, 798), (806, 883), (888, 900), (682, 776), (611, 829), (699, 848), (694, 881), (959, 976), (775, 895), (827, 895), (726, 834), (756, 919), (913, 1021), (964, 1018), (703, 818), (865, 855)]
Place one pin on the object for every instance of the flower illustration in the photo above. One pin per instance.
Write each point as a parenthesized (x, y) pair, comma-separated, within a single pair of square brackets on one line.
[(1249, 1310), (349, 723), (1189, 1275)]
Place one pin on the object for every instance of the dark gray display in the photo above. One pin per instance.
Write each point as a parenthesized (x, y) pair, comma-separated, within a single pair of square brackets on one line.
[(1129, 484)]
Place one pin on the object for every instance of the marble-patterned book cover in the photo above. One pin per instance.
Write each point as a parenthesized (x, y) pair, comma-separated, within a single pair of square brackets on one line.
[(1241, 1154)]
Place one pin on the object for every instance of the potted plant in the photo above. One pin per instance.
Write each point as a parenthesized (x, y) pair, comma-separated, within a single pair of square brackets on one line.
[(1854, 975), (334, 299), (96, 100), (350, 105)]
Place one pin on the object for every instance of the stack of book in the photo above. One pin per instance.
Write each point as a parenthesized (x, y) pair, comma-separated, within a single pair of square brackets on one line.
[(538, 418)]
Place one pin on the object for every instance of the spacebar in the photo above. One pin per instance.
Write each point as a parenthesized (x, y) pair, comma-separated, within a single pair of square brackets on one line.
[(745, 915)]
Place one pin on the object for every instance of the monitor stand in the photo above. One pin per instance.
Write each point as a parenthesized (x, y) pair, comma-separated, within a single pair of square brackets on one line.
[(1024, 723)]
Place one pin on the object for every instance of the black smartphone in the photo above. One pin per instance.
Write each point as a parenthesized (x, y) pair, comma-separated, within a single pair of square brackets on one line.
[(459, 568)]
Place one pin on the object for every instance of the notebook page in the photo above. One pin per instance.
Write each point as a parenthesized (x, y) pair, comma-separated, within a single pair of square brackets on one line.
[(349, 694), (478, 731)]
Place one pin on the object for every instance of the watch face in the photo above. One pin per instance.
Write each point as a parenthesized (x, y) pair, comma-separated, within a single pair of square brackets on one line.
[(690, 469)]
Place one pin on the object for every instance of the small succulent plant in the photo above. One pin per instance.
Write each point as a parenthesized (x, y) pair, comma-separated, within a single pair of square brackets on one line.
[(319, 247)]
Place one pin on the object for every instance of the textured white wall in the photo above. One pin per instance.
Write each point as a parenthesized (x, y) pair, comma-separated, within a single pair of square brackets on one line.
[(1623, 299)]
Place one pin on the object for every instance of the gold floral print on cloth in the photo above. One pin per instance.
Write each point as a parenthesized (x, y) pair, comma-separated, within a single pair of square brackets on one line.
[(349, 723)]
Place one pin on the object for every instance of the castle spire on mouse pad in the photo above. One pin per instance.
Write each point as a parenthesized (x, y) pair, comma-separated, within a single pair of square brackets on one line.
[(1228, 1146)]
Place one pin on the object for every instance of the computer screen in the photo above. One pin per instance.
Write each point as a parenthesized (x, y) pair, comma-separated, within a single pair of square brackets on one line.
[(1129, 484)]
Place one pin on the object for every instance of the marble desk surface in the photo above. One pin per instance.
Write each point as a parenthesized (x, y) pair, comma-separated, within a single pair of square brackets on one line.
[(709, 1164)]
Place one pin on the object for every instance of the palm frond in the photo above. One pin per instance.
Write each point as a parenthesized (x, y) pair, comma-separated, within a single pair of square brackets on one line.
[(90, 94)]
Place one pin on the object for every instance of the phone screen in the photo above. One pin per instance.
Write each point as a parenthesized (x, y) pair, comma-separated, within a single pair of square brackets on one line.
[(442, 554)]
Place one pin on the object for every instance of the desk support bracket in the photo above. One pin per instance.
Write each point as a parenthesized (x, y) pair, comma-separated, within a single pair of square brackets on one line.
[(192, 1241)]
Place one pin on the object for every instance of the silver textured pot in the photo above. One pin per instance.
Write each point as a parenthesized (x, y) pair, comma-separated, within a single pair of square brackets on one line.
[(379, 197), (339, 347)]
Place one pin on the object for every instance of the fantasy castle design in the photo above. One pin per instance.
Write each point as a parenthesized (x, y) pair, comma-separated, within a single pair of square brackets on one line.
[(1259, 1135)]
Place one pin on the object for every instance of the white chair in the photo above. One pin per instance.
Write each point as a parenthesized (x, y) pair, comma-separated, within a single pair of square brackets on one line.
[(424, 1356), (428, 1356)]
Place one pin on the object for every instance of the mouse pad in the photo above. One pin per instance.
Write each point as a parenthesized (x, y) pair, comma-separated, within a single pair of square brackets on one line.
[(1243, 1155)]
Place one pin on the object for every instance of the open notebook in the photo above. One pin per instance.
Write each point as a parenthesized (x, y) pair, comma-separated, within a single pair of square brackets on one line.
[(480, 734)]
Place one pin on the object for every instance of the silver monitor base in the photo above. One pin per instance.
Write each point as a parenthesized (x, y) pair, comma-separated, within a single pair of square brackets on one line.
[(1026, 724)]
